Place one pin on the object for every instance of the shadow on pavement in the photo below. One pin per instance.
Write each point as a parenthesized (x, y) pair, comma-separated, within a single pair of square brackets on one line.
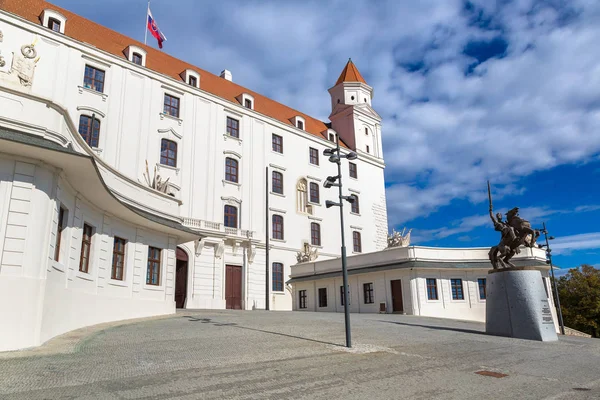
[(438, 328), (209, 321)]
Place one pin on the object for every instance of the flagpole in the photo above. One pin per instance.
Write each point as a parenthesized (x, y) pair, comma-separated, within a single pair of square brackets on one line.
[(146, 24)]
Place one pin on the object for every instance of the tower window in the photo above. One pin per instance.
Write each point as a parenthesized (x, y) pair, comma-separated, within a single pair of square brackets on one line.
[(368, 149), (366, 131), (351, 97), (365, 99)]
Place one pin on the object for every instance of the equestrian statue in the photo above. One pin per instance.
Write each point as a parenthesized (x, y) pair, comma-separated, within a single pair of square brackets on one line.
[(515, 232)]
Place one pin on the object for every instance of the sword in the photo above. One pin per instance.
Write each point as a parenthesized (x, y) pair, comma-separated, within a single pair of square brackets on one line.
[(490, 197)]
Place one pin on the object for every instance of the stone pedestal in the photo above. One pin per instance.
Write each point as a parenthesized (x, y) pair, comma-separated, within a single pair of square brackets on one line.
[(517, 305)]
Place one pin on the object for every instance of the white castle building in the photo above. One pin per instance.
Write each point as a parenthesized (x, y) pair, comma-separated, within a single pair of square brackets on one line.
[(132, 182)]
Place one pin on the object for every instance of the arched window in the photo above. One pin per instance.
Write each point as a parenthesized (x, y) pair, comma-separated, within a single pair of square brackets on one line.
[(301, 196), (355, 207), (231, 170), (89, 128), (277, 182), (168, 153), (314, 192), (230, 217), (356, 240), (315, 234), (277, 227)]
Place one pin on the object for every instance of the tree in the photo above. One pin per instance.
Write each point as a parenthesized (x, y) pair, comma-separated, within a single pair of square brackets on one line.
[(579, 292)]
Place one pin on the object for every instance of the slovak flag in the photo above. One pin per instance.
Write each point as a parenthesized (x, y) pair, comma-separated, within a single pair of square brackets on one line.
[(154, 29)]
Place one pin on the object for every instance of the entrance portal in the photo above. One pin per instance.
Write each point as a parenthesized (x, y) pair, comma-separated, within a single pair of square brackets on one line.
[(233, 287), (397, 305), (181, 277)]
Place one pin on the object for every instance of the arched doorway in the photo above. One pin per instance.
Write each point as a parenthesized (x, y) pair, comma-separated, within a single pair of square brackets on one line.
[(181, 277)]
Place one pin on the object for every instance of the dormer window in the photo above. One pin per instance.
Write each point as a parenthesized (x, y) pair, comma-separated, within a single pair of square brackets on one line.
[(332, 137), (54, 24), (136, 58), (53, 20), (247, 100), (190, 77), (330, 134), (298, 122), (136, 55)]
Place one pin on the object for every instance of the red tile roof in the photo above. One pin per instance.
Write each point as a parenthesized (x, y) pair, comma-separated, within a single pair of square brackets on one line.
[(350, 74), (105, 39)]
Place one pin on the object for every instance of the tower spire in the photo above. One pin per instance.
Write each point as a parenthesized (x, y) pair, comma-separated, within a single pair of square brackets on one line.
[(350, 74)]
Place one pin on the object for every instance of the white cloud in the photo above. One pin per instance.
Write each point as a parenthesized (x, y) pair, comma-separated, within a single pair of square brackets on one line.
[(565, 245)]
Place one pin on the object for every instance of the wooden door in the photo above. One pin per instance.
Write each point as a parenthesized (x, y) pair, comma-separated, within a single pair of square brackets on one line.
[(397, 305), (181, 274), (233, 287)]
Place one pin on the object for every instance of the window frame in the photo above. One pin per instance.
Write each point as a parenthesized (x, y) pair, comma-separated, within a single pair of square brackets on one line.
[(86, 248), (136, 55), (368, 293), (300, 124), (315, 234), (313, 156), (114, 271), (302, 299), (51, 24), (434, 289), (60, 227), (357, 241), (230, 129), (166, 157), (194, 79), (368, 149), (232, 170), (277, 277), (277, 143), (484, 287), (277, 227), (277, 182), (355, 206), (313, 188), (227, 215), (453, 287), (353, 170), (322, 297), (93, 82), (169, 107), (89, 138), (248, 103), (152, 265)]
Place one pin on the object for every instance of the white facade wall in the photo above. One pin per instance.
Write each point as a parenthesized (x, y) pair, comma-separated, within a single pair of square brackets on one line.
[(132, 126)]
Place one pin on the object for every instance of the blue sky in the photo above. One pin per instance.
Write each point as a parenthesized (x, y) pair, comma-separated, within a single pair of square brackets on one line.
[(468, 90)]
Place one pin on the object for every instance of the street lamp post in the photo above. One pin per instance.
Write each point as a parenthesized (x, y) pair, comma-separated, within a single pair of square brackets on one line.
[(549, 261), (335, 156)]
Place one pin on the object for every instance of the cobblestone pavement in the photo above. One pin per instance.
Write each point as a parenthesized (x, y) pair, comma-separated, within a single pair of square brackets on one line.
[(279, 355)]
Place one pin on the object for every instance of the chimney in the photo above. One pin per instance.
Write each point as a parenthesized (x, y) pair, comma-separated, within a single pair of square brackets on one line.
[(226, 74)]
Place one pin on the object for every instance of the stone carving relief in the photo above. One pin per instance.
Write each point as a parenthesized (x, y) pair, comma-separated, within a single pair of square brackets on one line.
[(156, 182), (19, 68), (397, 239), (307, 254)]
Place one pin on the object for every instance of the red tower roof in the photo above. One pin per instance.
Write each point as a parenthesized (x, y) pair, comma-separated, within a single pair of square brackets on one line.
[(350, 74)]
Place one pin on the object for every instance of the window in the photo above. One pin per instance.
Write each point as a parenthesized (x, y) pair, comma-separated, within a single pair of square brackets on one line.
[(367, 148), (86, 246), (277, 277), (302, 299), (432, 293), (171, 106), (457, 289), (193, 81), (314, 156), (89, 129), (366, 131), (59, 230), (481, 283), (332, 137), (300, 124), (277, 143), (277, 227), (342, 297), (54, 24), (277, 182), (231, 170), (231, 217), (168, 153), (93, 79), (248, 103), (153, 271), (357, 242), (315, 234), (354, 207), (136, 58), (314, 192), (118, 261), (233, 127), (322, 297), (353, 170), (368, 293)]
